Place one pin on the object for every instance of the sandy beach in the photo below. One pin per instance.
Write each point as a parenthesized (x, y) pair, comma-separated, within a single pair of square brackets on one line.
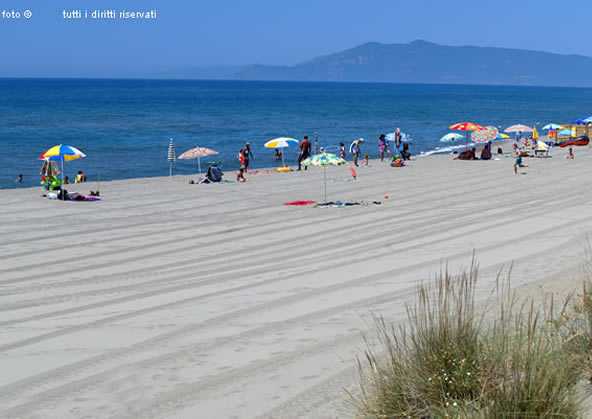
[(172, 300)]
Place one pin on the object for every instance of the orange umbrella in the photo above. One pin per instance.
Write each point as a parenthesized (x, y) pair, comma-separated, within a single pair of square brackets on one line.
[(466, 126)]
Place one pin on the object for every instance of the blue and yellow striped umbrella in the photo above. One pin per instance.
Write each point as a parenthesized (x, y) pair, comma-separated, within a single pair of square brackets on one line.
[(62, 153)]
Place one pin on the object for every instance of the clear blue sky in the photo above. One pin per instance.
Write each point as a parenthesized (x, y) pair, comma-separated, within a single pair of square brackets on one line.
[(195, 33)]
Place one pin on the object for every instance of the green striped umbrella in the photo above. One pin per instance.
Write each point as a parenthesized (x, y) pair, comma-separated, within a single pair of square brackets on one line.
[(324, 160)]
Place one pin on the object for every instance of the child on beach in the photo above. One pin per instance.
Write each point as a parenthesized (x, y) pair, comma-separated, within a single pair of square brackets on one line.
[(383, 146), (570, 154), (342, 150), (364, 162), (518, 162)]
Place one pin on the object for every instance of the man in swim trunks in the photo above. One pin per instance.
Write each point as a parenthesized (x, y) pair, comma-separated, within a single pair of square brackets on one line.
[(305, 148), (246, 155)]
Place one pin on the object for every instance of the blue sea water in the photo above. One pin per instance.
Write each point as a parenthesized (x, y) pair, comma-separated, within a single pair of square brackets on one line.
[(124, 126)]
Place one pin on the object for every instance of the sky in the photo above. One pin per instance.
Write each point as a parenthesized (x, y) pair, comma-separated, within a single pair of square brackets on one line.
[(200, 33)]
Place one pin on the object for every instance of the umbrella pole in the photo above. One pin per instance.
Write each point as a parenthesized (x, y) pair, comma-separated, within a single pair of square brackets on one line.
[(283, 162), (63, 197), (199, 167), (325, 182)]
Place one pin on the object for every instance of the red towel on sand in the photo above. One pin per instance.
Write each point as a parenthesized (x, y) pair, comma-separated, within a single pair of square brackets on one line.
[(300, 203)]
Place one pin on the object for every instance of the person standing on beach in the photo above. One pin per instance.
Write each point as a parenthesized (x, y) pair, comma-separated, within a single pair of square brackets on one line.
[(342, 150), (383, 146), (354, 149), (398, 138), (305, 148), (247, 155)]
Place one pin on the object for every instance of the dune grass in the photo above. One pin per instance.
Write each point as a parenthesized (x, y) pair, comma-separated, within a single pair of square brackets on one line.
[(506, 359)]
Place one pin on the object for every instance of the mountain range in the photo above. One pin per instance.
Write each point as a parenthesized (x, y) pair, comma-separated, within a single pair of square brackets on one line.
[(427, 62)]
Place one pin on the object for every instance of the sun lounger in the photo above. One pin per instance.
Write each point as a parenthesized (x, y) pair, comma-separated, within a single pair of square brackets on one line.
[(541, 150)]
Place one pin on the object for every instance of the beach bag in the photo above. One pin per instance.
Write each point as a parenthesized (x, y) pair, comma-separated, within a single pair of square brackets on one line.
[(216, 174)]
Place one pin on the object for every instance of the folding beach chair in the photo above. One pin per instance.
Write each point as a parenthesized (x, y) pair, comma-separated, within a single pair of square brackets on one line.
[(541, 150)]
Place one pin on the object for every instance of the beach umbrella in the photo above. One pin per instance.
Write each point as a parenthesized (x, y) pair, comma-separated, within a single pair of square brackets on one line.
[(197, 153), (581, 121), (565, 132), (518, 128), (281, 142), (502, 136), (171, 157), (552, 126), (324, 160), (485, 135), (62, 153), (451, 137), (535, 133), (466, 126)]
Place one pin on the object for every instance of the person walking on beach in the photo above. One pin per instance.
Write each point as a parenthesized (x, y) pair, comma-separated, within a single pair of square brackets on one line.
[(19, 179), (342, 150), (383, 146), (247, 155), (570, 154), (305, 148)]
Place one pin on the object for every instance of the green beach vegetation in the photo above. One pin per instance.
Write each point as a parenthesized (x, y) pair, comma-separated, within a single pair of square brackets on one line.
[(509, 358)]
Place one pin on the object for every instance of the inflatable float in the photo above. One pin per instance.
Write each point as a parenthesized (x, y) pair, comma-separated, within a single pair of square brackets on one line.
[(583, 140), (282, 169), (397, 163)]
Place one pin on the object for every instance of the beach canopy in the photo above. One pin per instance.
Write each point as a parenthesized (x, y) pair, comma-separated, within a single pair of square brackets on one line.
[(565, 132), (484, 135), (518, 128), (324, 160), (466, 126), (62, 153), (552, 126), (197, 153), (451, 137), (280, 142)]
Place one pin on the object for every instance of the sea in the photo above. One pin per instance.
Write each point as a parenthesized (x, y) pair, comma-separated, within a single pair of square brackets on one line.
[(124, 126)]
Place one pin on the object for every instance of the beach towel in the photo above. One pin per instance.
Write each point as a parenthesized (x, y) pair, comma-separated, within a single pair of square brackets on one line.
[(300, 203)]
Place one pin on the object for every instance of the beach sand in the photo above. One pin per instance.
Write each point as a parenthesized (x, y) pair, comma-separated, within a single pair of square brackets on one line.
[(174, 300)]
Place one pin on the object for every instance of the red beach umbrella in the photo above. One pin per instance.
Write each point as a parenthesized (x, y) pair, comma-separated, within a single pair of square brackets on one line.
[(466, 126)]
